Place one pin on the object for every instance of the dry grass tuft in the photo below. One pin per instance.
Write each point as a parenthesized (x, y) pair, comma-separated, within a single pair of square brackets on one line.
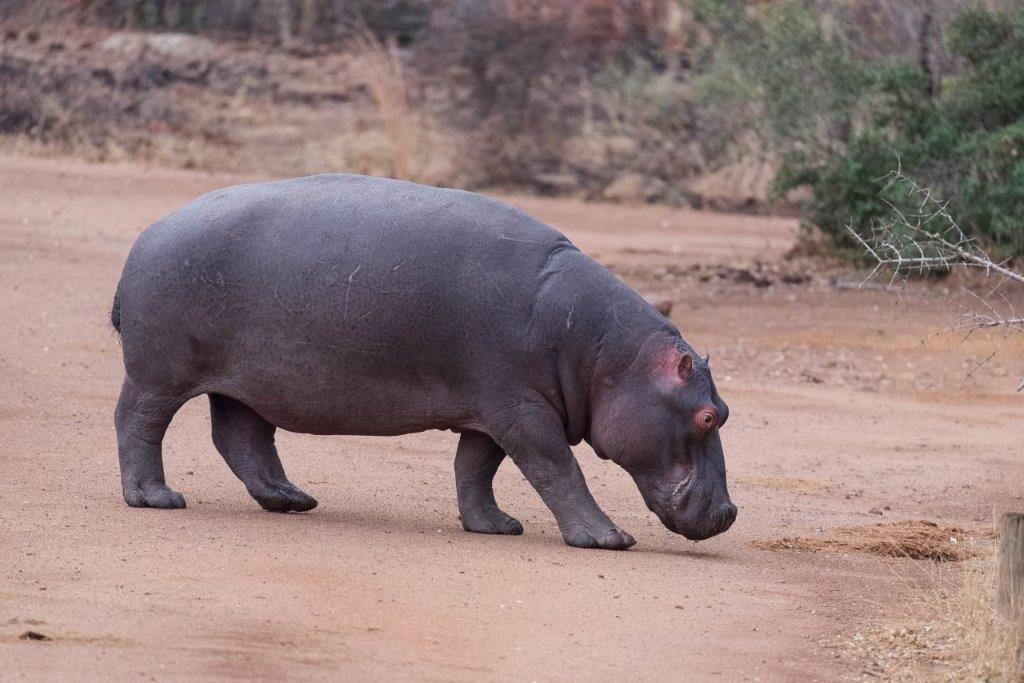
[(986, 646), (417, 148), (917, 540), (955, 633)]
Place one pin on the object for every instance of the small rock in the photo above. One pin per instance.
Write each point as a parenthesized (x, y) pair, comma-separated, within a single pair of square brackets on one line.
[(33, 635), (875, 511), (744, 276)]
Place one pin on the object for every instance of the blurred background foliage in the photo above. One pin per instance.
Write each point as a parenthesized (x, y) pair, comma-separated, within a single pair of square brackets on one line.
[(740, 104)]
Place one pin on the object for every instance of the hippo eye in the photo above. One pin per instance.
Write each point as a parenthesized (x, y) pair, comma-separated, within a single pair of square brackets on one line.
[(706, 419)]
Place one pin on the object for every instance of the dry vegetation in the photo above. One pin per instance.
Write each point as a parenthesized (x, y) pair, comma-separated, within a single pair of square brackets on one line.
[(916, 540), (951, 628), (925, 239), (545, 93), (951, 632), (418, 150)]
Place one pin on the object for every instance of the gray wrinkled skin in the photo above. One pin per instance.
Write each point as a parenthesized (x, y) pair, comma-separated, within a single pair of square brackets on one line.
[(343, 304)]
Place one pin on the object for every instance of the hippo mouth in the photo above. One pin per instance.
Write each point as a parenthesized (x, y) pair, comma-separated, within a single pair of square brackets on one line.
[(676, 504), (691, 508)]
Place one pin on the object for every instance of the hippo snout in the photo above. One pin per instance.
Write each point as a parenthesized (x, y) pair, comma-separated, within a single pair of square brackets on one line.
[(700, 514), (694, 508)]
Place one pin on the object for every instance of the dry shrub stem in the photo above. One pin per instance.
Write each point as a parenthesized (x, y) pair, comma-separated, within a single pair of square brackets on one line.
[(386, 81), (928, 239)]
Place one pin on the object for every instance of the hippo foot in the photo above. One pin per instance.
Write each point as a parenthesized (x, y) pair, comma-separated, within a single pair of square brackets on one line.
[(153, 496), (278, 496), (490, 520), (611, 539)]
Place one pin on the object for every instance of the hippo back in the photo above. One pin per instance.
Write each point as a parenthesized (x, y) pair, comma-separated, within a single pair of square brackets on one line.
[(286, 292)]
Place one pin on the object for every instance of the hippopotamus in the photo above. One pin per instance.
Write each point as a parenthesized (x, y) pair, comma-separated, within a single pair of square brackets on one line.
[(348, 304)]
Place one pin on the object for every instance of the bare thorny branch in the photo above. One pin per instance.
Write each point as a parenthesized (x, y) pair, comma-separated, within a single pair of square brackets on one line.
[(927, 239)]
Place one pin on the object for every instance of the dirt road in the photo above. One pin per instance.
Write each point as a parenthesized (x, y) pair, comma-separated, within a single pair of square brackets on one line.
[(837, 410)]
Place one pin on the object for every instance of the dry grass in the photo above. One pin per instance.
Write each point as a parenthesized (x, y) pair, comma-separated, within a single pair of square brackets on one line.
[(918, 540), (986, 646), (418, 151), (955, 634)]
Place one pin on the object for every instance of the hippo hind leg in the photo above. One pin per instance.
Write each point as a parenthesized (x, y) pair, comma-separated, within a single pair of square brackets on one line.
[(246, 441), (141, 419), (476, 461)]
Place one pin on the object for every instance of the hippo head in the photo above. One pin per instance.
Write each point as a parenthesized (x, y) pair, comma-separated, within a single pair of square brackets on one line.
[(659, 419)]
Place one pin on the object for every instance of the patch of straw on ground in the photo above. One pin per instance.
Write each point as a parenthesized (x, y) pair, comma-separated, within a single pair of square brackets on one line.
[(917, 540)]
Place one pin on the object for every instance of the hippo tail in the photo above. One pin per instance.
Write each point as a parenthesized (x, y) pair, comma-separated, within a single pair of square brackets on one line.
[(115, 315)]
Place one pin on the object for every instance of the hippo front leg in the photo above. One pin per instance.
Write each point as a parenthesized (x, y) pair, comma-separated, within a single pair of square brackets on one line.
[(535, 441), (476, 461)]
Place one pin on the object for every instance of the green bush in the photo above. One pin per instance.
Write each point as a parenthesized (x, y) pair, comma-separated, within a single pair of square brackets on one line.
[(780, 70), (966, 141)]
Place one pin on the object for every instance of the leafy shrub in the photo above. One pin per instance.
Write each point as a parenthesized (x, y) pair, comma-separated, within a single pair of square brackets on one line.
[(966, 142), (778, 70)]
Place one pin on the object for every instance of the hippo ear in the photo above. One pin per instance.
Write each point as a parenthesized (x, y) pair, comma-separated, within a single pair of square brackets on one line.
[(685, 366)]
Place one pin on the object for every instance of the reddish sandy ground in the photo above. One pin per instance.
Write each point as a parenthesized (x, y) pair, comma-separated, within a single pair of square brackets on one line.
[(837, 408)]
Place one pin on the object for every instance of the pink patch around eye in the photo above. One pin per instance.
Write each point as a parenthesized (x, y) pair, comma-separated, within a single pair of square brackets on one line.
[(706, 419)]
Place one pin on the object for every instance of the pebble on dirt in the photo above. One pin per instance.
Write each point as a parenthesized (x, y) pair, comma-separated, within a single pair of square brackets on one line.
[(33, 635)]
